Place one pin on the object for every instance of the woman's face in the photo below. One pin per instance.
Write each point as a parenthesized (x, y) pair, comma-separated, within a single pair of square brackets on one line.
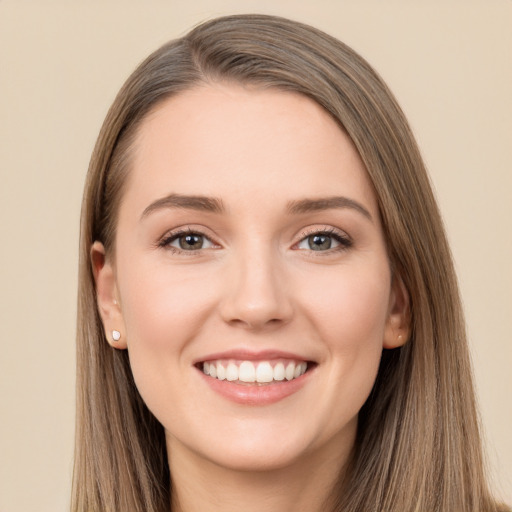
[(249, 246)]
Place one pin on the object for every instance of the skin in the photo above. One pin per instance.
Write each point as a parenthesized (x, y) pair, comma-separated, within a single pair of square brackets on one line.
[(257, 285)]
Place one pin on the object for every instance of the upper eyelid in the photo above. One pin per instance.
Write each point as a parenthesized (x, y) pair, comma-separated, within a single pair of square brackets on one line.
[(176, 232), (328, 230)]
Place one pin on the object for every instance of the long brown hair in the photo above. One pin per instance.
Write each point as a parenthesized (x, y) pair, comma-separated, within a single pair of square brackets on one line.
[(418, 445)]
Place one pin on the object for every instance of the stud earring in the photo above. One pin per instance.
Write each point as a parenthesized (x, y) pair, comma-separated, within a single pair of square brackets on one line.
[(116, 335)]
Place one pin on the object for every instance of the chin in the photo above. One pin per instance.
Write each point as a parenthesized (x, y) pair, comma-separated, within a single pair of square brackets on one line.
[(258, 458), (253, 446)]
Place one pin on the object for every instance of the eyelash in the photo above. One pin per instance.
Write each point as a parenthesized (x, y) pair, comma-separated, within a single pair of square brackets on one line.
[(165, 242), (344, 241)]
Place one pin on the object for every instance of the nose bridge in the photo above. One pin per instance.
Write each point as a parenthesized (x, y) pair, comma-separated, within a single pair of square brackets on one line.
[(256, 292)]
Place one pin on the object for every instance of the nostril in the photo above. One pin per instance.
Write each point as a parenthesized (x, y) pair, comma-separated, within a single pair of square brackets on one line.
[(252, 323), (256, 299)]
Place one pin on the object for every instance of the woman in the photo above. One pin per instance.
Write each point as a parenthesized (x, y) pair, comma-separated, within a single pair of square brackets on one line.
[(268, 312)]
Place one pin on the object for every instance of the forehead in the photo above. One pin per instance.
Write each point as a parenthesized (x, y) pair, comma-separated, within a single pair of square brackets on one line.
[(232, 142)]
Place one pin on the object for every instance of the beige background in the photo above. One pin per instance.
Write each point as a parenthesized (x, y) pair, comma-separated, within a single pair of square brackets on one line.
[(61, 63)]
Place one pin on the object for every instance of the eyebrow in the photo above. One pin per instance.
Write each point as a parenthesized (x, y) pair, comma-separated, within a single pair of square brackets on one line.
[(199, 203), (215, 205), (326, 203)]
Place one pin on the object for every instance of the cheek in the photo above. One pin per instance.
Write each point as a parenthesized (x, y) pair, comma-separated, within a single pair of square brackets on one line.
[(163, 310), (350, 318), (160, 304), (350, 307)]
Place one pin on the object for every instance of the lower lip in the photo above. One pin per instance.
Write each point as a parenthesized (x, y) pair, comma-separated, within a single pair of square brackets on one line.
[(254, 394)]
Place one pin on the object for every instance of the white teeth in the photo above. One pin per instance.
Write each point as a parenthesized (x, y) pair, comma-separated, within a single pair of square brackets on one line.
[(290, 371), (246, 371), (264, 373), (232, 372), (299, 370), (221, 372), (279, 371)]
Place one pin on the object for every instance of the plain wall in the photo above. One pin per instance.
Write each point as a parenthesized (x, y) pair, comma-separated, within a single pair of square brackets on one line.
[(61, 63)]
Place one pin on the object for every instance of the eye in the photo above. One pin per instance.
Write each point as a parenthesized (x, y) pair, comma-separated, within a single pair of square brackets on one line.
[(324, 241), (186, 241)]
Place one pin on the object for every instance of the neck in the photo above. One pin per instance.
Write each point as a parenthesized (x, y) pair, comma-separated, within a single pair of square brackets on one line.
[(307, 484)]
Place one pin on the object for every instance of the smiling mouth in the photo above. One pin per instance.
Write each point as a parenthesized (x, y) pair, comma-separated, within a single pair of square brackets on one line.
[(255, 372)]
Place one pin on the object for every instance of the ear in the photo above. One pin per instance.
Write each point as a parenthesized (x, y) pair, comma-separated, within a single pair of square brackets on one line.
[(398, 324), (107, 297)]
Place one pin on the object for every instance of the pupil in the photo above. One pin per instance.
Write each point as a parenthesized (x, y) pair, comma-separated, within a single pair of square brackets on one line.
[(319, 242), (191, 241)]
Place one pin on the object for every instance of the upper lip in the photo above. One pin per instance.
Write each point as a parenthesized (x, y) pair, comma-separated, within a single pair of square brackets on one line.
[(252, 355)]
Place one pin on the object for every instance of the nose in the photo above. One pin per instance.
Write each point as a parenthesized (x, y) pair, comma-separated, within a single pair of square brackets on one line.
[(257, 292)]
